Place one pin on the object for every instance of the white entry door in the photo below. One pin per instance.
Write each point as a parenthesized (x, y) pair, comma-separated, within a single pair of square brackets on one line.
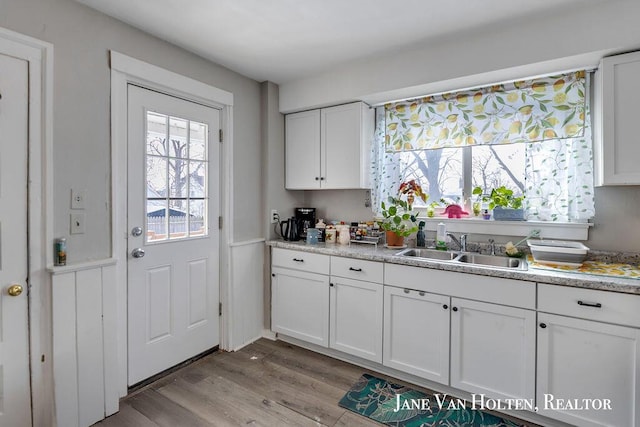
[(15, 394), (173, 208)]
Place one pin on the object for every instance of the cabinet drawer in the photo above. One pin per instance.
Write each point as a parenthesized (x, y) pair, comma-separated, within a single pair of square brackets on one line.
[(623, 309), (516, 293), (358, 269), (299, 260)]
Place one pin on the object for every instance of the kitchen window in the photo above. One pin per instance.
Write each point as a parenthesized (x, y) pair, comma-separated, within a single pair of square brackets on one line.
[(532, 136)]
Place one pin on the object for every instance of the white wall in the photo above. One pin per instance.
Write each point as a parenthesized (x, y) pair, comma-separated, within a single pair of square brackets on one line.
[(82, 39)]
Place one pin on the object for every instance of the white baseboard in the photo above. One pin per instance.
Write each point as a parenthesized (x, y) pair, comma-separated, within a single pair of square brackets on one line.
[(269, 334)]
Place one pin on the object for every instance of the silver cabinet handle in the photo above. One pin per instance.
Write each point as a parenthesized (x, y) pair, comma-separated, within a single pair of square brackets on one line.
[(137, 253)]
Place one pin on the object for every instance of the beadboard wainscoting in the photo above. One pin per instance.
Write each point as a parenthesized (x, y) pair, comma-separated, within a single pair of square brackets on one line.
[(246, 293), (84, 342)]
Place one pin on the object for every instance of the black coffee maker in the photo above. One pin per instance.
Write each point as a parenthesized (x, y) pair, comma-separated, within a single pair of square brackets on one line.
[(306, 218)]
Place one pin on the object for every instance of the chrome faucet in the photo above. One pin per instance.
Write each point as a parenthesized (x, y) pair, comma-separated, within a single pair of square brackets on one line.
[(462, 243)]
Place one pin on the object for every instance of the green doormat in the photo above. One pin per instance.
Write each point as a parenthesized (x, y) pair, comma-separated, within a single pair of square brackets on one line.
[(401, 406)]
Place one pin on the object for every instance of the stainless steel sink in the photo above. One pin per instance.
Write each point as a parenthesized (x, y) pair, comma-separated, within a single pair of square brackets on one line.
[(493, 261), (490, 261), (428, 254)]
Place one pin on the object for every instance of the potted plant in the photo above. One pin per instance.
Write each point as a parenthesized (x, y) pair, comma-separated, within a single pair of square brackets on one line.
[(398, 219), (505, 205)]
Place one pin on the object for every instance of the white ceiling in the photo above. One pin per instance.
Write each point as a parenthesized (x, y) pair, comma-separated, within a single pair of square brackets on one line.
[(283, 40)]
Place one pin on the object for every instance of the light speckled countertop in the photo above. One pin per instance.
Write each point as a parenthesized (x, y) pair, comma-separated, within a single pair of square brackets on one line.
[(371, 253)]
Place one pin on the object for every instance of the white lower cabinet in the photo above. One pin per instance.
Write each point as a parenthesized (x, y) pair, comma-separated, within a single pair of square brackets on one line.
[(584, 362), (416, 333), (577, 356), (300, 305), (493, 349), (355, 318)]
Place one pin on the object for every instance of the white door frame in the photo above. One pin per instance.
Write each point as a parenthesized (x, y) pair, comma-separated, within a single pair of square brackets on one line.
[(39, 55), (126, 70)]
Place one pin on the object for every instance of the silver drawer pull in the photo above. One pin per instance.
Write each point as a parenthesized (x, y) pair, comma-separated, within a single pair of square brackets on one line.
[(354, 269), (590, 304), (406, 291), (298, 260)]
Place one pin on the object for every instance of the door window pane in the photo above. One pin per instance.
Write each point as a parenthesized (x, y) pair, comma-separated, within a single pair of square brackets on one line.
[(177, 138), (156, 177), (156, 134), (197, 218), (156, 220), (176, 178), (197, 176), (178, 170), (178, 219), (197, 141)]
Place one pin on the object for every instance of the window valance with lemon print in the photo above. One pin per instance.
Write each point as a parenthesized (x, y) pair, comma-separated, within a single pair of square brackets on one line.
[(546, 108)]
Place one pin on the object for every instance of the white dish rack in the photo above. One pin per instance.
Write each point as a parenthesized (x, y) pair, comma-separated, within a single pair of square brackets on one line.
[(562, 252)]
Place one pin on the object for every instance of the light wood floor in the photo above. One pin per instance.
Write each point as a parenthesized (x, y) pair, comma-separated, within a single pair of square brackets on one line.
[(265, 384)]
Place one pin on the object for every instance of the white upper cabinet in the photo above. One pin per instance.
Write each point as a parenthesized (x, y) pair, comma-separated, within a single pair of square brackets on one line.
[(329, 148), (617, 110), (302, 150)]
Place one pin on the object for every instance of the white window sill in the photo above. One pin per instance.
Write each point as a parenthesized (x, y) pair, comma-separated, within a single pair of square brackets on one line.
[(548, 230)]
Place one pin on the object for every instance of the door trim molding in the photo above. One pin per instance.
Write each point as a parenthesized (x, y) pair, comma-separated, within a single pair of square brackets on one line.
[(126, 70), (39, 55)]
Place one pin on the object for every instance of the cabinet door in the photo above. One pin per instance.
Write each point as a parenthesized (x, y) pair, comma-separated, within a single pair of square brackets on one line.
[(416, 333), (345, 145), (493, 349), (618, 149), (355, 324), (581, 359), (300, 305), (302, 150)]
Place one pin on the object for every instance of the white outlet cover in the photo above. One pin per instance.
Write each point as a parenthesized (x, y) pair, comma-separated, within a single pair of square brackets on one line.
[(78, 198), (77, 223)]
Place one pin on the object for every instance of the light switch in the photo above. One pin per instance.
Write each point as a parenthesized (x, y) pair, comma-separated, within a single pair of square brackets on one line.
[(77, 223), (78, 199)]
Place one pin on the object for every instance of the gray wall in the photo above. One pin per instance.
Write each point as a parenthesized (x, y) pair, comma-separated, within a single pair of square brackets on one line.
[(571, 36), (82, 39), (274, 196), (526, 46)]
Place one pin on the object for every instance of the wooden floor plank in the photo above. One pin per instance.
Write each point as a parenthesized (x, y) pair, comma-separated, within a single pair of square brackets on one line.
[(165, 412), (351, 419), (127, 417), (303, 395), (247, 406), (267, 383)]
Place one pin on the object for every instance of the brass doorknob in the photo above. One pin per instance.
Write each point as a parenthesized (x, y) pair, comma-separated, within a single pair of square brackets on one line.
[(14, 290)]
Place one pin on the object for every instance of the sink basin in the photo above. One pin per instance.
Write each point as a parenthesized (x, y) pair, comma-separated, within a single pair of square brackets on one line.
[(428, 254), (493, 261)]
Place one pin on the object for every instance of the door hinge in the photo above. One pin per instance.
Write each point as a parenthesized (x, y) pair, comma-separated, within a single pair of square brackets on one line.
[(219, 309), (220, 222), (220, 135)]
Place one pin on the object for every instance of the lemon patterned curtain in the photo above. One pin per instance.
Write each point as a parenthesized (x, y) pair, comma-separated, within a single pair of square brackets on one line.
[(546, 108)]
